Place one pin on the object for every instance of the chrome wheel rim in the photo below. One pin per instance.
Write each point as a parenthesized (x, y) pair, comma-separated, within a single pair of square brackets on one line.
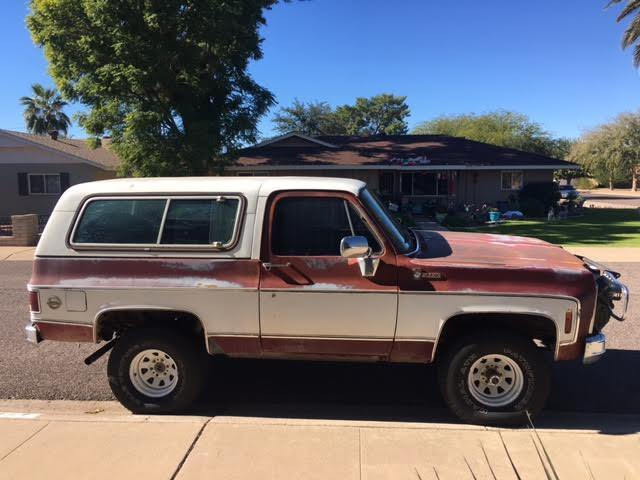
[(153, 373), (495, 380)]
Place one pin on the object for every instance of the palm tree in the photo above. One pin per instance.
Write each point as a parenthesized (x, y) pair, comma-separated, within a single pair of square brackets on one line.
[(43, 112), (632, 33)]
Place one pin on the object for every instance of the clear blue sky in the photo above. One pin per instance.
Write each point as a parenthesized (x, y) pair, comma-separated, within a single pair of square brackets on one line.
[(560, 62)]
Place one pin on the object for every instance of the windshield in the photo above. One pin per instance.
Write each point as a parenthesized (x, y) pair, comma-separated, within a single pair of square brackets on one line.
[(401, 237)]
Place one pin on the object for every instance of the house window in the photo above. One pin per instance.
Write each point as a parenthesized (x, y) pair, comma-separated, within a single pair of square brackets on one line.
[(425, 183), (511, 180), (44, 184), (386, 183)]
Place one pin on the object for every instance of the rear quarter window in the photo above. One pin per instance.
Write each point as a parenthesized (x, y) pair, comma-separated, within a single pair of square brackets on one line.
[(120, 222), (210, 222), (200, 222)]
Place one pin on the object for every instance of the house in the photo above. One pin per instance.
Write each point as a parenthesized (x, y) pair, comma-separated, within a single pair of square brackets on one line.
[(36, 169), (408, 169), (413, 170)]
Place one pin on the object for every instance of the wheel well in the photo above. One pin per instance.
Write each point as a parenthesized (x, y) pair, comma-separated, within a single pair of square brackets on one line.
[(114, 322), (535, 327)]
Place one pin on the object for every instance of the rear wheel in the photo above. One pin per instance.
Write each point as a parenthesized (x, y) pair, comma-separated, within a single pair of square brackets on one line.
[(494, 379), (154, 370)]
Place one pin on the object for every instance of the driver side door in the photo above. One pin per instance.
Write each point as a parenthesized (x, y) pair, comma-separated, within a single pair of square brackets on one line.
[(314, 302)]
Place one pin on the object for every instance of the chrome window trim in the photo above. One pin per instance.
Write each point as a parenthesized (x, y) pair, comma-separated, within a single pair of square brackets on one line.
[(158, 247)]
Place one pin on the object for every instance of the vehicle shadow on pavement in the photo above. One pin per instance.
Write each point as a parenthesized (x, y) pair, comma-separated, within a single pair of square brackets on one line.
[(409, 393)]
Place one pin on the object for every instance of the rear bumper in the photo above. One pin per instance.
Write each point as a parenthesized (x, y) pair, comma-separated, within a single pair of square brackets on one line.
[(595, 348), (32, 333)]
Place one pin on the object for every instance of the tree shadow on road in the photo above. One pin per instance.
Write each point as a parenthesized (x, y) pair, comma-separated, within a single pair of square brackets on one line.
[(409, 393)]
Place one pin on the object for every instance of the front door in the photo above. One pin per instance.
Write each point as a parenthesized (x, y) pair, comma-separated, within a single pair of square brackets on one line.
[(313, 302)]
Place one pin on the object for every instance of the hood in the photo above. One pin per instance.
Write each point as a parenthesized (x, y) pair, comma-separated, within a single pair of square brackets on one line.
[(498, 250)]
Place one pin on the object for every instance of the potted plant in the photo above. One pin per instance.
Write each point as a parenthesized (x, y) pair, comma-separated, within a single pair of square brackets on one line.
[(494, 214)]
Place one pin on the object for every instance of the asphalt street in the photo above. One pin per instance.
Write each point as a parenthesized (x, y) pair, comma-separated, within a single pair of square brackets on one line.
[(613, 200), (311, 390)]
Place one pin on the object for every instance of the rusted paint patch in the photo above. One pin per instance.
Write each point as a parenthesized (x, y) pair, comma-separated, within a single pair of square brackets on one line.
[(411, 351), (342, 347), (65, 332), (235, 346)]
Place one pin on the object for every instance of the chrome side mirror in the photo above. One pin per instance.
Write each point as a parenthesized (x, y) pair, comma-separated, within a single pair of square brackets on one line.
[(354, 247), (358, 247)]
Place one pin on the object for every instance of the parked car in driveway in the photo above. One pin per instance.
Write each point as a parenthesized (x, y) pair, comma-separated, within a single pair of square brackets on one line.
[(568, 192), (168, 270)]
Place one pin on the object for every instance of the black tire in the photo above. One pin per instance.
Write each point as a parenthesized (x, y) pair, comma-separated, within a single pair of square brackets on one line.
[(453, 376), (189, 359)]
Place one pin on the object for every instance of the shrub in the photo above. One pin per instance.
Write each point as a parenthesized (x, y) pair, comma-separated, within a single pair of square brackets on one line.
[(537, 198), (585, 183), (532, 207), (457, 221)]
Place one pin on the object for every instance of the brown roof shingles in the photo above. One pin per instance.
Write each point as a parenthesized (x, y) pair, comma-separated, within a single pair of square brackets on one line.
[(101, 156), (439, 150)]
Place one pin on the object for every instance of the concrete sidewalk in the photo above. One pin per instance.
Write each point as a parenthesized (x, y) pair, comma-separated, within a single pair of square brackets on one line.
[(69, 440), (17, 253)]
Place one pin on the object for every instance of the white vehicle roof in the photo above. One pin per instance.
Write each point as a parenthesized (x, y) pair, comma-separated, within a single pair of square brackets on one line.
[(250, 187)]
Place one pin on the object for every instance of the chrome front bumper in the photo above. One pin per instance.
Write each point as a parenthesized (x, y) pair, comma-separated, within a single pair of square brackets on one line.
[(33, 335), (595, 347)]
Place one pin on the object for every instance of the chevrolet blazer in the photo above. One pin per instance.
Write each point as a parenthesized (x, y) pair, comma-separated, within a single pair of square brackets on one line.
[(167, 270)]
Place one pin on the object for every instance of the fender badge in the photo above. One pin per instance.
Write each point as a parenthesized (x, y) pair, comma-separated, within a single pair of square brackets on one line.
[(54, 302), (422, 275)]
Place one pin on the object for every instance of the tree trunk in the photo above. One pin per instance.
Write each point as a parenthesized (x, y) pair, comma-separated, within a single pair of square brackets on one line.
[(610, 183)]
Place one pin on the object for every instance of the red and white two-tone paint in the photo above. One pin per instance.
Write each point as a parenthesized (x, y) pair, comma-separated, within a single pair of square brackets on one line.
[(491, 310)]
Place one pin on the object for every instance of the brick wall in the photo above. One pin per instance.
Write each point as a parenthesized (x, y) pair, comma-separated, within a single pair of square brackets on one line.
[(25, 231)]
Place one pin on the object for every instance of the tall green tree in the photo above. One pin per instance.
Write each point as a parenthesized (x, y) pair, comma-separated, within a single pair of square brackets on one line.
[(631, 36), (43, 112), (383, 114), (166, 79), (611, 152), (502, 127), (313, 118)]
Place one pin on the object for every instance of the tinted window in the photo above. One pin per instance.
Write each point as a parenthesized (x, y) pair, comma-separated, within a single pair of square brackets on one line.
[(311, 226), (200, 222), (120, 221)]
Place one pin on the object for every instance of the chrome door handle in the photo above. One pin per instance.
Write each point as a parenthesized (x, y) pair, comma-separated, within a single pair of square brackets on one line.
[(268, 266)]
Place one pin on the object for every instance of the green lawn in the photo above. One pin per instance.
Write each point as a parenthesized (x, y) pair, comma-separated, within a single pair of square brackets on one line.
[(596, 228)]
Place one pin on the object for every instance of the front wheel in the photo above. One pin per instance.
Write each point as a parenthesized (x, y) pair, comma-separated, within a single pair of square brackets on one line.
[(494, 379), (155, 370)]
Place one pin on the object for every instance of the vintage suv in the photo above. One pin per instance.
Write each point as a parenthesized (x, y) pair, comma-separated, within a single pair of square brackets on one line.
[(167, 270)]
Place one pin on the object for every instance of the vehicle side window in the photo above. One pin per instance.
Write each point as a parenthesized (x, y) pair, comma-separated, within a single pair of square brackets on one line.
[(314, 226), (200, 222), (120, 221)]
